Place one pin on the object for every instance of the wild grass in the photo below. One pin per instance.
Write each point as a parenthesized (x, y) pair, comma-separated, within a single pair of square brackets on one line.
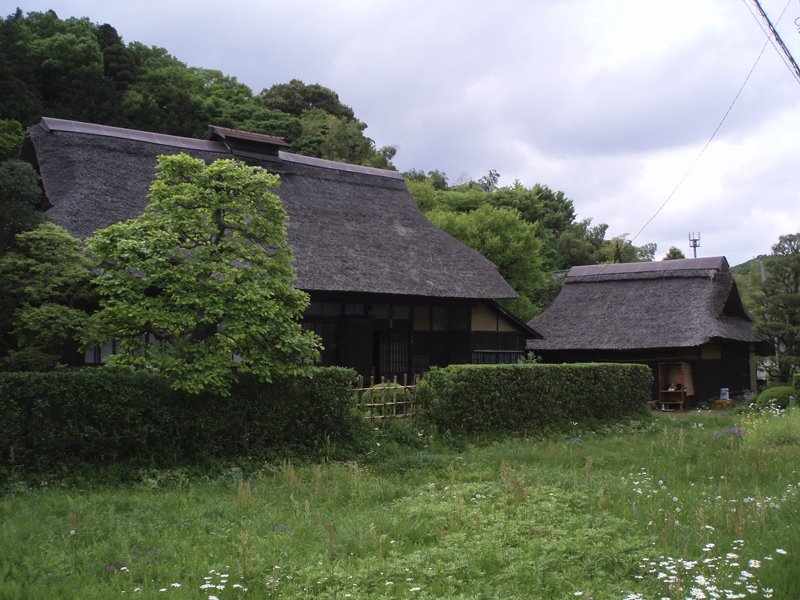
[(686, 506)]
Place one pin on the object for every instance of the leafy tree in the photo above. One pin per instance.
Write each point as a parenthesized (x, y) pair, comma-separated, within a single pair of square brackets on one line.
[(437, 179), (511, 243), (422, 191), (488, 182), (621, 250), (580, 244), (167, 99), (19, 86), (46, 291), (119, 63), (296, 97), (674, 254), (70, 69), (147, 58), (20, 200), (11, 136), (205, 275), (538, 204), (779, 313), (748, 277)]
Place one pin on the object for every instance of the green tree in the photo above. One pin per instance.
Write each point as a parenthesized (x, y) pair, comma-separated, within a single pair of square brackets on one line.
[(199, 286), (168, 100), (119, 64), (748, 277), (325, 135), (46, 291), (19, 85), (580, 244), (621, 250), (488, 182), (296, 97), (70, 68), (674, 254), (20, 200), (538, 204), (511, 243), (779, 312), (11, 136)]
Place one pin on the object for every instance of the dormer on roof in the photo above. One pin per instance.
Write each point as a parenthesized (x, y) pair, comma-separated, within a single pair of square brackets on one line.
[(246, 142)]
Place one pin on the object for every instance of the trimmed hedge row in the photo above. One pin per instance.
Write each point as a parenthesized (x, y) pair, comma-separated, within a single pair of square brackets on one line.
[(523, 397), (99, 416)]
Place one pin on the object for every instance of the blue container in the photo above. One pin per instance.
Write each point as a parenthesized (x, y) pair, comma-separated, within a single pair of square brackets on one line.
[(724, 394)]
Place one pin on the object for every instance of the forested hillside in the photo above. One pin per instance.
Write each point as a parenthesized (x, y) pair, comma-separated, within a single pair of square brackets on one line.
[(76, 69)]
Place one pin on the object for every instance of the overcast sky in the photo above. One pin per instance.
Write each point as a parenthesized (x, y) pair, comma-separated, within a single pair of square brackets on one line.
[(610, 101)]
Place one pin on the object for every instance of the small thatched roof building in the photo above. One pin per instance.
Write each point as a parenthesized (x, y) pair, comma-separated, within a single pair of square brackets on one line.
[(659, 313), (391, 293)]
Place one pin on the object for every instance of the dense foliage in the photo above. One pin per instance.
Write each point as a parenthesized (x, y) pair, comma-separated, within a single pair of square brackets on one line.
[(536, 226), (45, 298), (98, 416), (199, 287), (674, 254), (21, 200), (778, 308), (76, 69), (530, 398), (511, 243)]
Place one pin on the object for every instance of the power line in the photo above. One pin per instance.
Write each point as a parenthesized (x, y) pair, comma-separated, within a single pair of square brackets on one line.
[(774, 37), (714, 134)]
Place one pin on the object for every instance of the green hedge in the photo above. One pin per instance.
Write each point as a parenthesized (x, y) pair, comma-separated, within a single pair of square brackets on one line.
[(522, 397), (100, 416)]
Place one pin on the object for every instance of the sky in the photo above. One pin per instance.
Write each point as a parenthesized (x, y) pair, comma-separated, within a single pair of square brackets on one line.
[(610, 101)]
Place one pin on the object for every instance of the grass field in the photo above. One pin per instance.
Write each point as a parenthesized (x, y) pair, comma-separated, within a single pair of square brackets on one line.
[(688, 506)]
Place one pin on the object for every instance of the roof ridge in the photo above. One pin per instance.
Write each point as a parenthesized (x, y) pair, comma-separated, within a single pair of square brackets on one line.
[(716, 263), (54, 124)]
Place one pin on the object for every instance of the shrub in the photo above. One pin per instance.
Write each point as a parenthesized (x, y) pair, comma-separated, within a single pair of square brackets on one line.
[(100, 416), (522, 397), (775, 397), (796, 383)]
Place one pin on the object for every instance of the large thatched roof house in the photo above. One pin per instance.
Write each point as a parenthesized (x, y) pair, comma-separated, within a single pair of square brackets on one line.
[(684, 318), (391, 293)]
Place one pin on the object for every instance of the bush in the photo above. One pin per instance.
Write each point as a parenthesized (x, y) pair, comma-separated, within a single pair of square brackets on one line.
[(775, 397), (100, 416), (524, 397), (796, 383)]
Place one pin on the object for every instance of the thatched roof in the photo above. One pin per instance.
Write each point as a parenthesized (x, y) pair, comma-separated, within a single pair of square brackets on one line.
[(352, 228), (668, 304)]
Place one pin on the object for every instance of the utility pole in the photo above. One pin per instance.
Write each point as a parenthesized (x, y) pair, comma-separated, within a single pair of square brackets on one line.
[(694, 242)]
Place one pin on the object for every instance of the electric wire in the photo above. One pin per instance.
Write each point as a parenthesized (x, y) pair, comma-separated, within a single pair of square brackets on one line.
[(716, 130), (774, 37)]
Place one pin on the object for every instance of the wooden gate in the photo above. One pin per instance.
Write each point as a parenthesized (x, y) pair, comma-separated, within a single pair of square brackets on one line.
[(387, 399)]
